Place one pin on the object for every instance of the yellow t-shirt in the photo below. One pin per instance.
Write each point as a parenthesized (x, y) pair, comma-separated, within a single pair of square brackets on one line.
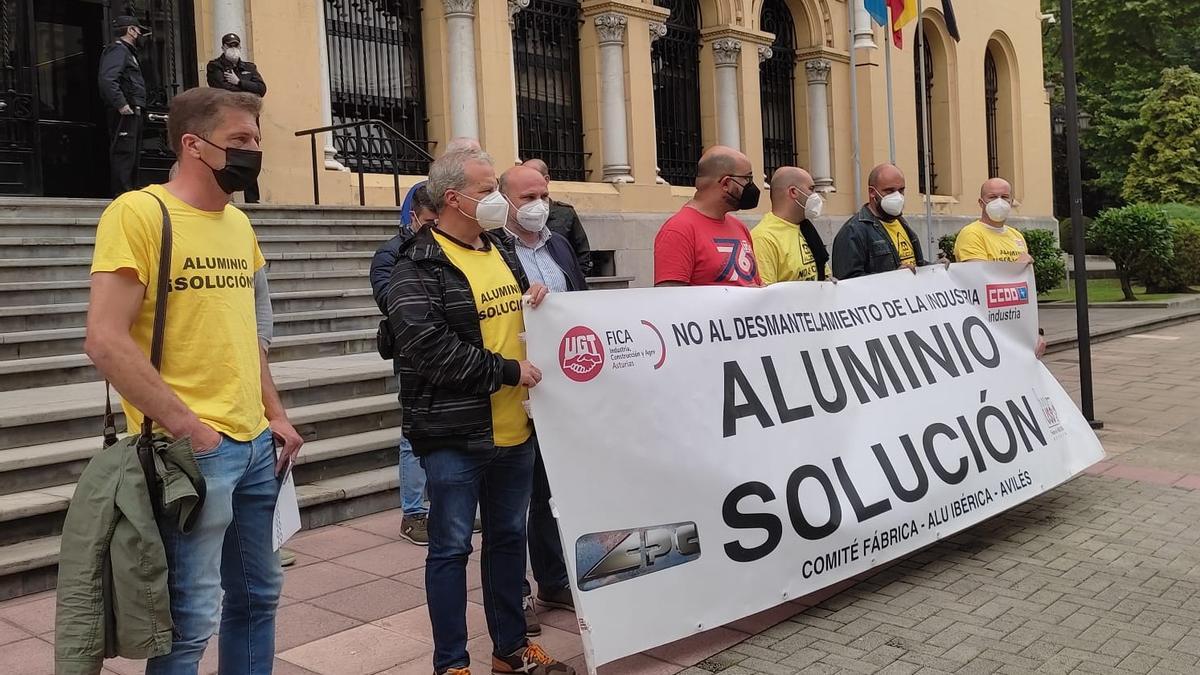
[(980, 241), (901, 241), (210, 342), (498, 300), (781, 251)]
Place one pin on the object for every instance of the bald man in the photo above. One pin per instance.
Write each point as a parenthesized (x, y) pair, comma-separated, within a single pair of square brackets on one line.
[(878, 239), (787, 245), (704, 244), (989, 238), (565, 221)]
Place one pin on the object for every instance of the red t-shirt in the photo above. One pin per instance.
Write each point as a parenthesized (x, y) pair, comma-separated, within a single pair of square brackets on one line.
[(700, 251)]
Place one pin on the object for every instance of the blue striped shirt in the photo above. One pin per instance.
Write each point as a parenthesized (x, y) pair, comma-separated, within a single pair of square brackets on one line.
[(538, 264)]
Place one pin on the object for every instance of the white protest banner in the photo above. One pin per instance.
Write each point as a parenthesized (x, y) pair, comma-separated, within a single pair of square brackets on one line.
[(714, 452)]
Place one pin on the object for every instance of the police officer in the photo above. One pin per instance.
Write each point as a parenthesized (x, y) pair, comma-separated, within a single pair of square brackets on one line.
[(123, 91), (229, 71)]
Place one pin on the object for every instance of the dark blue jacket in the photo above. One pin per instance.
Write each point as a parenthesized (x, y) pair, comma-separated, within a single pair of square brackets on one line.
[(560, 249)]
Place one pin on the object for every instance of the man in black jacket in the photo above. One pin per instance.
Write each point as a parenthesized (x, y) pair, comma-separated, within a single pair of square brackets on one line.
[(455, 307), (123, 91), (229, 71), (565, 221), (877, 238)]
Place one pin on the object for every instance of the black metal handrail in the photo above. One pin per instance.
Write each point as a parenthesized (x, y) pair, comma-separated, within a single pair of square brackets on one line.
[(383, 126)]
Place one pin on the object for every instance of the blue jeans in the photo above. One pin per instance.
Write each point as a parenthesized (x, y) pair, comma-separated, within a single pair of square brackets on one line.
[(545, 544), (499, 482), (412, 482), (228, 549)]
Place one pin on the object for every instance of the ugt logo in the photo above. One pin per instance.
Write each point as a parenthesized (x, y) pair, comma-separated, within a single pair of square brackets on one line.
[(580, 354), (1007, 295), (605, 558)]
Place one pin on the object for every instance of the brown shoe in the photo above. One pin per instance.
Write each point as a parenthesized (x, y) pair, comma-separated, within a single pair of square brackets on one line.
[(558, 599), (415, 529), (455, 671), (532, 625), (531, 660)]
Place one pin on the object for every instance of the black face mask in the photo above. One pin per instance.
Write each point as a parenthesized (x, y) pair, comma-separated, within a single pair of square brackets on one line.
[(241, 168), (749, 197), (142, 40)]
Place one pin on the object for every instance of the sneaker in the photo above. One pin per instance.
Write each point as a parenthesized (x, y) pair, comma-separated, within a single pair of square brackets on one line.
[(456, 671), (558, 599), (286, 558), (478, 526), (530, 659), (415, 529), (532, 625)]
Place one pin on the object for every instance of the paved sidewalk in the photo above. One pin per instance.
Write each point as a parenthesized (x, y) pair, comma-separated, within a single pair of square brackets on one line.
[(1100, 575)]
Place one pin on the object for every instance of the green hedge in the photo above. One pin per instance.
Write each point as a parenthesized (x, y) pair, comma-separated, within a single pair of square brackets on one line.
[(1068, 244), (1182, 270)]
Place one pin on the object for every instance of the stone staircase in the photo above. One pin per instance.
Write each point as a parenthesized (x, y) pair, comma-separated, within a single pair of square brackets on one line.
[(340, 395)]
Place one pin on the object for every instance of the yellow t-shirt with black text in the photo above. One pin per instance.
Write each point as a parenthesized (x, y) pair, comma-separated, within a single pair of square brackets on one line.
[(901, 241), (980, 241), (781, 251), (210, 339), (498, 301)]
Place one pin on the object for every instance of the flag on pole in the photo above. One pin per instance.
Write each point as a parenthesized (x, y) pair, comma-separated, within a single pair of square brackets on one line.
[(878, 11), (951, 22), (903, 12)]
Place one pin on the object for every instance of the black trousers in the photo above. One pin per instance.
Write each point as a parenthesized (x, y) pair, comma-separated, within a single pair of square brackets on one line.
[(124, 149)]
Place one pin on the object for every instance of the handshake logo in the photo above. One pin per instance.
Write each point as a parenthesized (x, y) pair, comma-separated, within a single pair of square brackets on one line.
[(580, 354)]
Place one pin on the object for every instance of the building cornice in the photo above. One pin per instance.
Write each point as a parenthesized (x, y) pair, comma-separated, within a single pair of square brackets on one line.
[(648, 12)]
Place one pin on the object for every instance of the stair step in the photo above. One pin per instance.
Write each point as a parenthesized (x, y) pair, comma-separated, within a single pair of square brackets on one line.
[(49, 248), (30, 566), (75, 291)]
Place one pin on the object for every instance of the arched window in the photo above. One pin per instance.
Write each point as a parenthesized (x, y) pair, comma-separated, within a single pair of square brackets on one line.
[(376, 71), (924, 98), (675, 58), (546, 59), (991, 98), (776, 78)]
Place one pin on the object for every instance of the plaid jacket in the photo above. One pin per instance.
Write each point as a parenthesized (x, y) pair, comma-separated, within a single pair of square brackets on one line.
[(447, 377)]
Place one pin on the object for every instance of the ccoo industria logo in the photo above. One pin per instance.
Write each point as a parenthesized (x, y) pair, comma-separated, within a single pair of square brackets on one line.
[(1007, 295), (605, 558), (580, 354)]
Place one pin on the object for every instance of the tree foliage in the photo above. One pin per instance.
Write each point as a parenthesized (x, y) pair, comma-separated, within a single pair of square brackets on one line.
[(1121, 50), (1049, 270), (1166, 167), (1131, 235)]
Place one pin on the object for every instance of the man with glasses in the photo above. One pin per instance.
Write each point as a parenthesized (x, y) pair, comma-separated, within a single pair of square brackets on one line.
[(704, 244)]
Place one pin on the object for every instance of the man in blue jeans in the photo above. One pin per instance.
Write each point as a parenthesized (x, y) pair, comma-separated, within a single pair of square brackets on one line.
[(455, 307), (214, 386)]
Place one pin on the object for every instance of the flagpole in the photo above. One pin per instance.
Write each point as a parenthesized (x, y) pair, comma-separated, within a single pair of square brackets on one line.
[(855, 156), (927, 159), (887, 47)]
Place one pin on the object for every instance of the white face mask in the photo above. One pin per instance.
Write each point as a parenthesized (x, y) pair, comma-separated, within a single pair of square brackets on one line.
[(998, 209), (532, 217), (892, 204), (491, 212), (813, 205), (233, 53)]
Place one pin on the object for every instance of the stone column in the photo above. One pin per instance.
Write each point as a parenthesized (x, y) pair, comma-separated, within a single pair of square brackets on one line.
[(864, 37), (657, 30), (460, 57), (229, 16), (610, 28), (725, 59), (818, 123), (328, 150), (514, 8)]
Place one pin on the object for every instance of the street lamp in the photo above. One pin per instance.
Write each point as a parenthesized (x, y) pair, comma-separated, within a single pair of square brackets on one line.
[(1085, 121)]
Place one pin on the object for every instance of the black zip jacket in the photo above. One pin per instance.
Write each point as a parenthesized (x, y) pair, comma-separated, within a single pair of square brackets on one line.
[(864, 247), (120, 79), (565, 221), (249, 78), (448, 376)]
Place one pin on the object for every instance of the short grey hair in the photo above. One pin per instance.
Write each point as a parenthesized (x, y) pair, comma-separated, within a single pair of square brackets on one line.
[(449, 173)]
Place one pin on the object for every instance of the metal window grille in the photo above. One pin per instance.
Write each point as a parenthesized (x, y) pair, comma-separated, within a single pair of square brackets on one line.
[(675, 59), (777, 80), (924, 101), (991, 98), (376, 72), (546, 59)]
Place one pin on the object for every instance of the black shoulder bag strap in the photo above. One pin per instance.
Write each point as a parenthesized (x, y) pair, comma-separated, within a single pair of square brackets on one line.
[(145, 441)]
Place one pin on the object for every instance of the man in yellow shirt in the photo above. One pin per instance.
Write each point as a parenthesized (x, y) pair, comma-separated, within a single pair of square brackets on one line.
[(455, 309), (786, 243), (214, 386), (989, 238)]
